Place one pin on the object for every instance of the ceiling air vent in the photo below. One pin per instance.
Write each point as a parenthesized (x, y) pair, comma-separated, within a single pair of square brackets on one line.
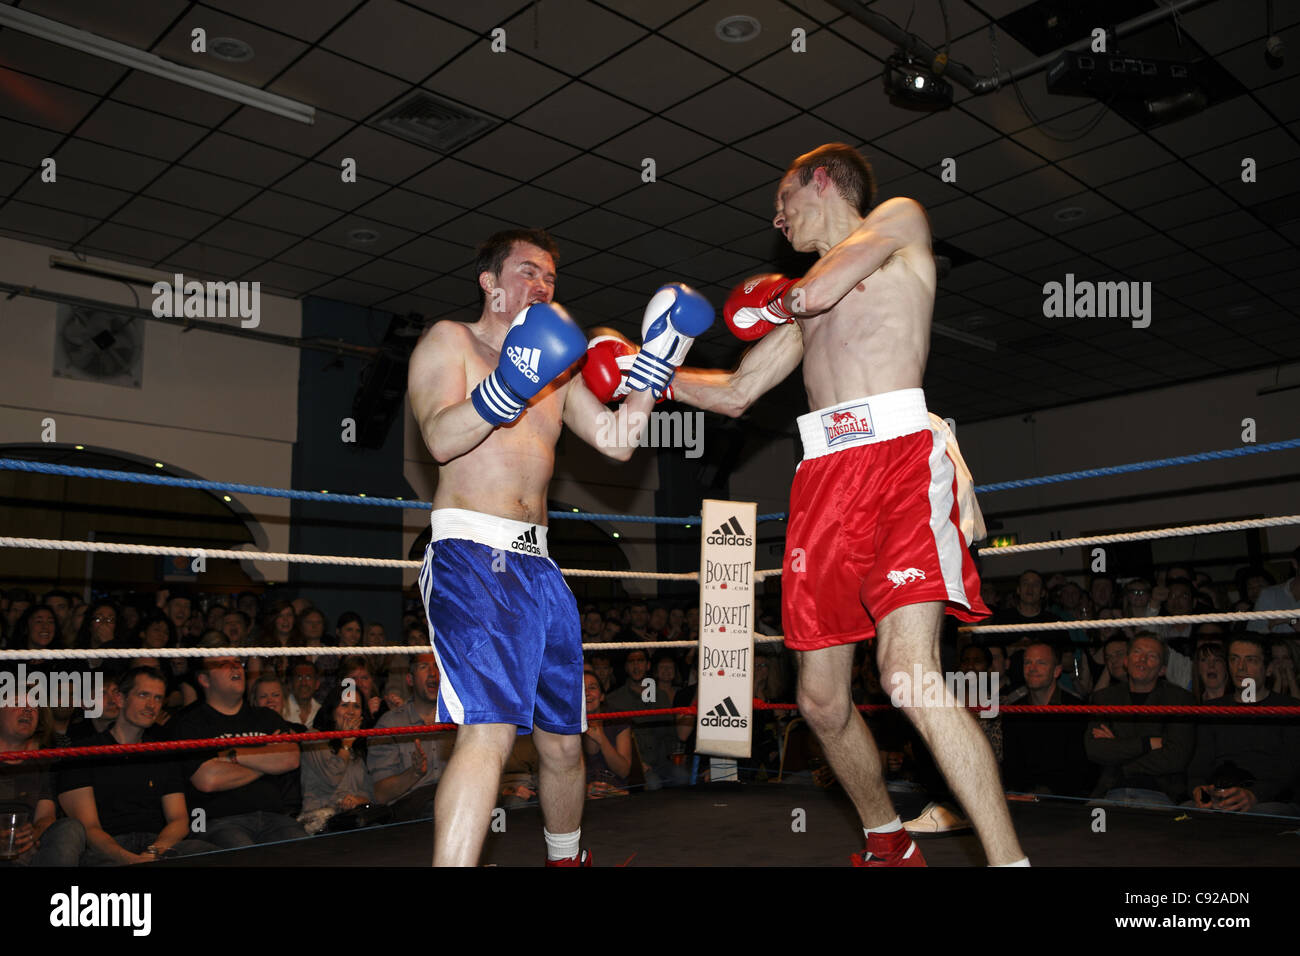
[(434, 122)]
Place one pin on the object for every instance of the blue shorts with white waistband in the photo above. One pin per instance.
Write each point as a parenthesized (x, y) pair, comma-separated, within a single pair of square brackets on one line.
[(507, 636)]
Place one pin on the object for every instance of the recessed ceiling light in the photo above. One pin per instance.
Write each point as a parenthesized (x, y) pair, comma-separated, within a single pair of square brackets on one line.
[(737, 29), (1069, 213), (362, 236), (230, 49)]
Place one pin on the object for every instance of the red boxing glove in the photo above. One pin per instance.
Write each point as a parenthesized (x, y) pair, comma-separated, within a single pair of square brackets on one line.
[(602, 373), (754, 307), (609, 358)]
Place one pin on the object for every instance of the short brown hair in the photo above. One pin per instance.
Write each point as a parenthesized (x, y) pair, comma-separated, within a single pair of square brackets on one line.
[(492, 252), (848, 170)]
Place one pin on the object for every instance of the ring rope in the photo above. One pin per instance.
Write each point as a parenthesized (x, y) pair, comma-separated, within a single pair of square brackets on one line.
[(163, 653), (73, 471), (215, 743), (1214, 528), (1213, 617)]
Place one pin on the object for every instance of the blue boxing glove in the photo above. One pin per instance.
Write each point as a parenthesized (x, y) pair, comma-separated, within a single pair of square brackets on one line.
[(675, 316), (542, 344)]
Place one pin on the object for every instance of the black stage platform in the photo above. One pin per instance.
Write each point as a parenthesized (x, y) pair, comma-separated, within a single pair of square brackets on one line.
[(753, 825)]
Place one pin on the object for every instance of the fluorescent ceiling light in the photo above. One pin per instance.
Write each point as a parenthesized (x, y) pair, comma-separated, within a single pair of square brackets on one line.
[(61, 33), (947, 331), (109, 270)]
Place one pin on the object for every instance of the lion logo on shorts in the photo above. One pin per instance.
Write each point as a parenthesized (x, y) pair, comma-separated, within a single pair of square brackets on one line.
[(899, 578)]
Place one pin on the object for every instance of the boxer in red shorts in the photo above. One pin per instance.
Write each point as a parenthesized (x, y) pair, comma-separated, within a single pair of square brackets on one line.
[(875, 547)]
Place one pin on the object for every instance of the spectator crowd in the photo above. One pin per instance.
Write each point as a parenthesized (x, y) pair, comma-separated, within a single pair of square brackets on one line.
[(119, 810)]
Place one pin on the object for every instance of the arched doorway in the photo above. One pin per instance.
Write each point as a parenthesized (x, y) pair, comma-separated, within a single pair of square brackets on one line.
[(84, 509)]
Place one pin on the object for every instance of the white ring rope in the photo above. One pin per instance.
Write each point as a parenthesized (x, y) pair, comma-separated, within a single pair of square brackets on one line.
[(131, 653), (110, 547), (1214, 617), (1145, 535)]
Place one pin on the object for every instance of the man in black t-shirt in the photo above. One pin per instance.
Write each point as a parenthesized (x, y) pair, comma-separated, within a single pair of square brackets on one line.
[(132, 808), (237, 788)]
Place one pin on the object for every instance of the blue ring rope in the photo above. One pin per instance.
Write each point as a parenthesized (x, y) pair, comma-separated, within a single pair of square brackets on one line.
[(72, 471)]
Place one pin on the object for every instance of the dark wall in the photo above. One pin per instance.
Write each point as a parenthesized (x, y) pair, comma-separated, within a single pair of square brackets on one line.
[(322, 460)]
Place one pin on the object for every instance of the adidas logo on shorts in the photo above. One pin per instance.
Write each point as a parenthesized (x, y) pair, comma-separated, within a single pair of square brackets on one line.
[(724, 715), (527, 542), (730, 533), (526, 360)]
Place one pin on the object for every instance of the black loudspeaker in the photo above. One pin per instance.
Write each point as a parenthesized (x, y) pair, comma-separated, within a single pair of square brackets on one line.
[(378, 400)]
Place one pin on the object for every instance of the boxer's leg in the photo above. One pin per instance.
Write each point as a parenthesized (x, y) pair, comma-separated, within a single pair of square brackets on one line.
[(908, 637), (467, 792), (561, 780), (826, 703)]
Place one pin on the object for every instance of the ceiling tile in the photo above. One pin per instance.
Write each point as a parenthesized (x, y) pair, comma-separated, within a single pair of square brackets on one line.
[(379, 155), (695, 31), (391, 275), (436, 255), (669, 145), (600, 228), (388, 235), (164, 217), (793, 138), (241, 159), (143, 243), (409, 210), (148, 133), (112, 167), (460, 183), (201, 190), (70, 195), (397, 39), (997, 162), (659, 203), (134, 22), (829, 67), (547, 33), (287, 278), (678, 74), (661, 249), (324, 184), (731, 110), (352, 291), (515, 151), (277, 211), (581, 115), (330, 82), (323, 257), (591, 179), (156, 95), (306, 21), (39, 222), (267, 129), (531, 206), (497, 83), (726, 173), (28, 54), (247, 238)]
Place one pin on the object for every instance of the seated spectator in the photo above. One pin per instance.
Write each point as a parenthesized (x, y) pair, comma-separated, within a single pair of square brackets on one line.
[(311, 629), (1044, 754), (676, 623), (177, 607), (658, 623), (26, 787), (1142, 759), (37, 629), (99, 629), (1211, 674), (132, 808), (637, 627), (602, 667), (1248, 765), (519, 774), (18, 601), (406, 770), (335, 778), (235, 625), (1280, 597), (607, 745), (665, 673), (1137, 603), (1114, 657), (216, 614), (770, 687), (593, 627), (656, 737), (375, 635), (356, 670), (268, 691), (103, 705), (61, 603), (300, 705), (1101, 588), (1250, 582), (237, 788), (611, 631), (1281, 672), (1030, 605)]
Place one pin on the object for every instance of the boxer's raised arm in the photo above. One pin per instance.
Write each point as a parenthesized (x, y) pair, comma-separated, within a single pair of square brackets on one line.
[(437, 390), (602, 428), (894, 225), (761, 369)]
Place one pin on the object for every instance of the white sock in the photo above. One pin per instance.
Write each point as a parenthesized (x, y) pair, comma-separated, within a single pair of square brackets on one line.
[(1023, 861), (562, 846), (893, 826)]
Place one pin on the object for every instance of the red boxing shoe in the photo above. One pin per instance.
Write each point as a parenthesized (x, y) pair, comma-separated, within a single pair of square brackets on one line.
[(890, 849), (582, 859)]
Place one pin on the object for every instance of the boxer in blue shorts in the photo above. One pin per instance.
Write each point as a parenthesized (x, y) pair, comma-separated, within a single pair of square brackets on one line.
[(491, 397)]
